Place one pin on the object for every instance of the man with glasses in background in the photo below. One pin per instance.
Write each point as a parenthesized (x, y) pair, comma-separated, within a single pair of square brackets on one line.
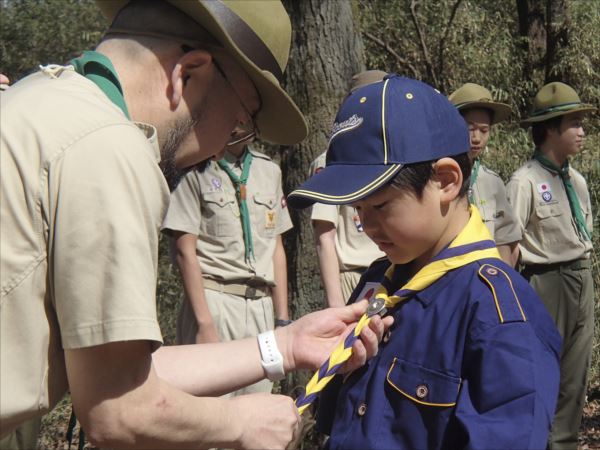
[(82, 198), (226, 221)]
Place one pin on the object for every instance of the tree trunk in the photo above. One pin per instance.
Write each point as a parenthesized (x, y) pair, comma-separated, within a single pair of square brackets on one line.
[(559, 24), (326, 51), (532, 28), (544, 27)]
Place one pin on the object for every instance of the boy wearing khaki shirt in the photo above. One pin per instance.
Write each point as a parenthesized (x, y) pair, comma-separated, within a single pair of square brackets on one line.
[(486, 189), (343, 248), (552, 203), (228, 247)]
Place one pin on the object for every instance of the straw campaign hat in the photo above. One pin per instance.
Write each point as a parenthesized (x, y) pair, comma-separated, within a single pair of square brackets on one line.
[(553, 100), (257, 34), (471, 95)]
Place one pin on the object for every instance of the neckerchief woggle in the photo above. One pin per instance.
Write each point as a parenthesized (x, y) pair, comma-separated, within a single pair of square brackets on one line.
[(240, 193), (574, 204), (473, 243)]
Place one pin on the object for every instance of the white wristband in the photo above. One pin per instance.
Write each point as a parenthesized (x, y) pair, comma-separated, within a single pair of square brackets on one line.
[(271, 358)]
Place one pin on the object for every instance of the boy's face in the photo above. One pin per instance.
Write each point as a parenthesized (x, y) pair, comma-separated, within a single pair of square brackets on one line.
[(569, 137), (403, 226), (479, 122)]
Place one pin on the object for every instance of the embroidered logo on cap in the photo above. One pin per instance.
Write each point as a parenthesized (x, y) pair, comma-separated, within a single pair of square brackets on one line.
[(349, 124)]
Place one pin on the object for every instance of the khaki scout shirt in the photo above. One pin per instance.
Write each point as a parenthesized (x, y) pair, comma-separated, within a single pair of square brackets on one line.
[(489, 196), (82, 199), (541, 205), (353, 247), (204, 204)]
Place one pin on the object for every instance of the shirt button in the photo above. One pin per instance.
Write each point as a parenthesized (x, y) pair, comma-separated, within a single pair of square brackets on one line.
[(362, 409), (422, 391)]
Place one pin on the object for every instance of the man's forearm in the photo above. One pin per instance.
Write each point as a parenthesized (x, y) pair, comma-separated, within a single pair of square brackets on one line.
[(280, 291)]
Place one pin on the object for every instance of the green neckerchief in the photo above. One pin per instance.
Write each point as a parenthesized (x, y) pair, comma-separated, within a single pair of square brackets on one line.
[(240, 192), (473, 179), (98, 68), (571, 194)]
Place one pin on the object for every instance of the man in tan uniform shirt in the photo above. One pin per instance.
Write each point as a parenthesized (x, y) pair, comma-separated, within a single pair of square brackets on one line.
[(230, 292), (82, 198), (487, 191), (552, 203), (343, 248)]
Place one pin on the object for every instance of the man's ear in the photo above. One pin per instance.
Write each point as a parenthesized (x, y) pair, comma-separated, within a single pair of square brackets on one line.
[(450, 179), (193, 63)]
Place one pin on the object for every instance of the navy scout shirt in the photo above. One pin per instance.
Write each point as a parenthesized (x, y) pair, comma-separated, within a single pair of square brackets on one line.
[(472, 361)]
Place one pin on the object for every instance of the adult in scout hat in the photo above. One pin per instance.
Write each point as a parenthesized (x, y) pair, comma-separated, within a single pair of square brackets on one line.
[(226, 222), (466, 321), (552, 204), (343, 248), (83, 197), (486, 189)]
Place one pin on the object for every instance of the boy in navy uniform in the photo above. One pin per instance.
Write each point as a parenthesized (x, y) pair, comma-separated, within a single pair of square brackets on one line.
[(471, 360)]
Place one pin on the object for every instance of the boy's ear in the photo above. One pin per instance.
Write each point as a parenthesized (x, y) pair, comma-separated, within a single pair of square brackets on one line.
[(191, 65), (449, 178)]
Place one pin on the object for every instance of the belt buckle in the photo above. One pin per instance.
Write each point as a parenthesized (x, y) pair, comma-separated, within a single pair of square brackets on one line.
[(250, 292)]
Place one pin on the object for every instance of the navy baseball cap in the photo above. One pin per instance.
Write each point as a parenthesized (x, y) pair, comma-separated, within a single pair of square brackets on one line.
[(380, 128)]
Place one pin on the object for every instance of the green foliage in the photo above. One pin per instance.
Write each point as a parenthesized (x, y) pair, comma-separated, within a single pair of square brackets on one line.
[(34, 32)]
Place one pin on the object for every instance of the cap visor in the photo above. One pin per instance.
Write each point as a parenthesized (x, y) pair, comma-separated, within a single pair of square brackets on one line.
[(340, 184)]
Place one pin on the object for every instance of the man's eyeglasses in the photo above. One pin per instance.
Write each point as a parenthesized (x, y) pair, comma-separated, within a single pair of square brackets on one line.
[(243, 132), (248, 130)]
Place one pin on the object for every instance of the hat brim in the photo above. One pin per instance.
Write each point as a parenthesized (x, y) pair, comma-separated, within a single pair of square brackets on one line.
[(501, 110), (536, 119), (279, 120), (340, 184)]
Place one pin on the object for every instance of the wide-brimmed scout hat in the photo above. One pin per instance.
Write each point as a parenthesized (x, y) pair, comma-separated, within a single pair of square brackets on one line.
[(471, 95), (378, 129), (553, 100), (257, 34)]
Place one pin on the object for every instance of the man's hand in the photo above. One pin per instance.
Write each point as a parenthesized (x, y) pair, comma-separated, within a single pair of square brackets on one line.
[(308, 342), (207, 333), (264, 421)]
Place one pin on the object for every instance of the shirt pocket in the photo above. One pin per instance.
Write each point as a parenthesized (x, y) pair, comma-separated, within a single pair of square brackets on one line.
[(220, 214), (552, 222), (423, 386), (265, 214)]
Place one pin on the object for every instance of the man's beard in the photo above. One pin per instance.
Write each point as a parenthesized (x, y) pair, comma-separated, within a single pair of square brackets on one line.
[(175, 137)]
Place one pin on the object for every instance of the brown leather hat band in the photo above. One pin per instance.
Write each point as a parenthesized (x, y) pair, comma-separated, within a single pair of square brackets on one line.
[(245, 38)]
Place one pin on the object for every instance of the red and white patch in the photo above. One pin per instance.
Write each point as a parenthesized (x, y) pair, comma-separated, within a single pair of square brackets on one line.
[(368, 291), (543, 187)]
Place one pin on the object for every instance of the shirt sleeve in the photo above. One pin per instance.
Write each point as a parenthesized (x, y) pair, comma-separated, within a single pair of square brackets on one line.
[(284, 221), (184, 212), (506, 228), (110, 197), (509, 392), (519, 197)]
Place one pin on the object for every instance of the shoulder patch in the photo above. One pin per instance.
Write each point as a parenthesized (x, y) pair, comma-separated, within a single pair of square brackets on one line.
[(507, 303)]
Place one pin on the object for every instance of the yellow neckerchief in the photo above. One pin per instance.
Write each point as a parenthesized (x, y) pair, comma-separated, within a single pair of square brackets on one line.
[(473, 243)]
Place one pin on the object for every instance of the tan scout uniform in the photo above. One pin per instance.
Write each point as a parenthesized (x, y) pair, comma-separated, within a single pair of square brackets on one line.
[(541, 205), (489, 195), (354, 249), (237, 292), (82, 198)]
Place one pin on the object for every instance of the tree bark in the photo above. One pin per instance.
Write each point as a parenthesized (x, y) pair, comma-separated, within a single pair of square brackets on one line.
[(326, 51)]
